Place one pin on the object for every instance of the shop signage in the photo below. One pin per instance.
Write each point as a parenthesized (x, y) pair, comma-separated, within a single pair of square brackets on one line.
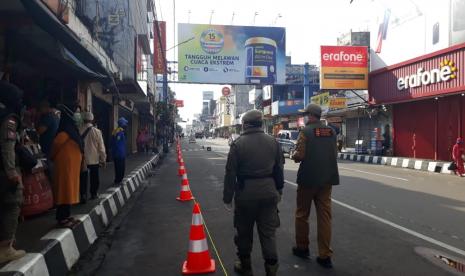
[(267, 110), (179, 103), (337, 103), (445, 72), (159, 42), (231, 54), (344, 67)]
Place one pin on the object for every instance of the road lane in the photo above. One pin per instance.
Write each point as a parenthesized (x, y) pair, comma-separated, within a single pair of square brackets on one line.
[(153, 240)]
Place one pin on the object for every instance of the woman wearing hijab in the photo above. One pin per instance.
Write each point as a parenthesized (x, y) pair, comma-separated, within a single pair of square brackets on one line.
[(457, 152), (66, 153)]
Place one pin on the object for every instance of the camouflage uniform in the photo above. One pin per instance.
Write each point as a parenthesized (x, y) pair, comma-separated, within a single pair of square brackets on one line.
[(11, 187)]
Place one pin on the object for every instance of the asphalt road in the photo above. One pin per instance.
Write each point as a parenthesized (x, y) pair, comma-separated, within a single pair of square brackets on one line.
[(386, 221)]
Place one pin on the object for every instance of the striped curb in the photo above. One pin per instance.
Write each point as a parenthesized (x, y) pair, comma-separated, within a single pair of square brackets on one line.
[(399, 162), (60, 249)]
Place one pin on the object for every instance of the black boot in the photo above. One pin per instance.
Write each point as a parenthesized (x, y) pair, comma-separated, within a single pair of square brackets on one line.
[(271, 268), (303, 253), (243, 266)]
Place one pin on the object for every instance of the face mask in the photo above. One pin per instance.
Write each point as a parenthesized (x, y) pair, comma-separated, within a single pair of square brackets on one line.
[(306, 120), (77, 118)]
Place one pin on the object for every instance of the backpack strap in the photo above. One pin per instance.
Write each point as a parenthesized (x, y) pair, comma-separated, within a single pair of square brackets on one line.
[(84, 135)]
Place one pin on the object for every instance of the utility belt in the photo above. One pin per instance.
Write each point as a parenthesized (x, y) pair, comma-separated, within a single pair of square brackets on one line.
[(242, 178)]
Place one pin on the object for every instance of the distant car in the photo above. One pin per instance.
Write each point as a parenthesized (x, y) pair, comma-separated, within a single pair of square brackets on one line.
[(288, 140), (199, 135), (232, 138), (192, 139)]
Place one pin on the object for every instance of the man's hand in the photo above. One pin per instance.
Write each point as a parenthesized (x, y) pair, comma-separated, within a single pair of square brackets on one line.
[(15, 179), (103, 165), (228, 207)]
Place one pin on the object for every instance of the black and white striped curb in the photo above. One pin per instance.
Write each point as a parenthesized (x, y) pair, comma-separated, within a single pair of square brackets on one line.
[(186, 150), (400, 162), (60, 249)]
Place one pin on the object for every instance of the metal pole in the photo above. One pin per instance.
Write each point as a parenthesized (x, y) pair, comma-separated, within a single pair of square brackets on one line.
[(306, 84)]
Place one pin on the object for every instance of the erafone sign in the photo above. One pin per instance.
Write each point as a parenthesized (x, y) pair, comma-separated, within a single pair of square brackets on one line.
[(446, 71), (344, 67)]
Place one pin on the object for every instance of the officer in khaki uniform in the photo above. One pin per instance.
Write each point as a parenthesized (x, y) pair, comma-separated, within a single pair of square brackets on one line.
[(11, 187), (317, 153), (254, 178)]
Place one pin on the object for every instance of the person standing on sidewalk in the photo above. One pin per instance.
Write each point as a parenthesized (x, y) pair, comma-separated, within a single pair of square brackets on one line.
[(254, 178), (11, 186), (94, 154), (47, 127), (118, 147), (67, 153), (318, 172), (457, 155)]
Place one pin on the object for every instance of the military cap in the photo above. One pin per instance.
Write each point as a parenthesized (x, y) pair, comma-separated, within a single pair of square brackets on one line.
[(252, 116), (312, 109)]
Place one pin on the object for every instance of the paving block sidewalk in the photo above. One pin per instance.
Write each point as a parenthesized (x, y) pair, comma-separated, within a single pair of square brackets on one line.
[(53, 251), (399, 162)]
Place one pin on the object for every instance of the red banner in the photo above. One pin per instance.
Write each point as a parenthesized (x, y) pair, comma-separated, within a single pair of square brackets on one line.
[(159, 61), (179, 103)]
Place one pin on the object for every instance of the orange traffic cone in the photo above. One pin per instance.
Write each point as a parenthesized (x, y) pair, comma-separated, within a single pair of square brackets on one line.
[(185, 194), (198, 260), (181, 170)]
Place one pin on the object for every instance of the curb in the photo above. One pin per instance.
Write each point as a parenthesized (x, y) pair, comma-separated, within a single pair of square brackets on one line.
[(60, 249), (399, 162)]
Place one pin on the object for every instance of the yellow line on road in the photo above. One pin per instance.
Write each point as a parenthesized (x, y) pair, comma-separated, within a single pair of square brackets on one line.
[(212, 242)]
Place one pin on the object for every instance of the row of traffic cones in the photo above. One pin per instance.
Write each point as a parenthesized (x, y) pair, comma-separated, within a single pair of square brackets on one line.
[(198, 260)]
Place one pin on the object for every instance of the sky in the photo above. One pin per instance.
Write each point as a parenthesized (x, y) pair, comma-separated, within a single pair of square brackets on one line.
[(308, 23)]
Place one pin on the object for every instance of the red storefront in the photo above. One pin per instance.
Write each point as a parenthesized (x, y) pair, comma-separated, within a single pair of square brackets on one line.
[(428, 98)]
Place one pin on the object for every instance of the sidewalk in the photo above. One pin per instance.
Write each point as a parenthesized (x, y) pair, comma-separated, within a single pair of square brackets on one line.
[(34, 234), (399, 162)]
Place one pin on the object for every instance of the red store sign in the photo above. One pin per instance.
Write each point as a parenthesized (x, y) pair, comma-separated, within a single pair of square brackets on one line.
[(436, 74)]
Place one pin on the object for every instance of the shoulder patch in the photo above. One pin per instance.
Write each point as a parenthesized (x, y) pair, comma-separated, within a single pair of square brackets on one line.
[(323, 132), (11, 124)]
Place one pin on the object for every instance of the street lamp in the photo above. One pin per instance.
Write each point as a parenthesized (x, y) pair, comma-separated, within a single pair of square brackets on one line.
[(255, 16), (276, 19), (211, 16)]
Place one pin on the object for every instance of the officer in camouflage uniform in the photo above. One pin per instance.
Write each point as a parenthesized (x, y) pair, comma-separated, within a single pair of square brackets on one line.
[(318, 172), (254, 178), (11, 187)]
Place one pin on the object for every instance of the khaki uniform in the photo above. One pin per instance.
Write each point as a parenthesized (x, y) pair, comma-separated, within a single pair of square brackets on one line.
[(318, 172), (254, 178), (11, 194)]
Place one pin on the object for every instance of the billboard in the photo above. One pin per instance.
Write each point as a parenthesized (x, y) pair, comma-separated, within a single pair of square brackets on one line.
[(159, 61), (344, 67), (231, 54)]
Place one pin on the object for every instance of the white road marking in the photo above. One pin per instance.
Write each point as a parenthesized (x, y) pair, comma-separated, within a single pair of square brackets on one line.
[(376, 174), (396, 226)]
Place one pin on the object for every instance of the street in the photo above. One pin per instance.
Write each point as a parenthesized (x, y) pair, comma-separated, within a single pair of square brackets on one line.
[(386, 221)]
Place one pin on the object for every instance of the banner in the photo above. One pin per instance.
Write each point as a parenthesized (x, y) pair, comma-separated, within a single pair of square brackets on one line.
[(321, 100), (159, 61), (337, 103), (179, 103), (231, 54), (344, 67)]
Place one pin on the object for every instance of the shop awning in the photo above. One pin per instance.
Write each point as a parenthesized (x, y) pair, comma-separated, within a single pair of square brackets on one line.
[(74, 50)]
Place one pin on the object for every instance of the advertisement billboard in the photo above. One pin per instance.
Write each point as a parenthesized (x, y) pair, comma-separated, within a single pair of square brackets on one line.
[(159, 61), (221, 54), (344, 67)]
